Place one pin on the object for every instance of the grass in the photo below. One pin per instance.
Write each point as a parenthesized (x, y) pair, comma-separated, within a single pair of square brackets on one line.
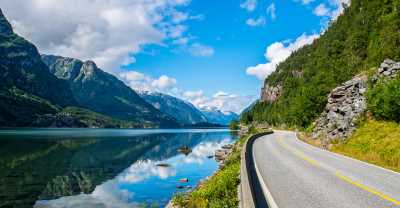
[(220, 190), (376, 142)]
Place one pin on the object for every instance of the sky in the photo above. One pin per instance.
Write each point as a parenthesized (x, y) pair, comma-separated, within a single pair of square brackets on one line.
[(213, 53)]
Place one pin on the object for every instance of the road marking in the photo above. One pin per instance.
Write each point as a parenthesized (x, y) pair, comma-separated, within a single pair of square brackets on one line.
[(298, 153), (271, 202), (366, 188), (337, 173)]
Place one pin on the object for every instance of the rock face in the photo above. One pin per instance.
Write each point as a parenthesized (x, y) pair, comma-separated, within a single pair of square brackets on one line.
[(270, 93), (345, 104), (389, 69)]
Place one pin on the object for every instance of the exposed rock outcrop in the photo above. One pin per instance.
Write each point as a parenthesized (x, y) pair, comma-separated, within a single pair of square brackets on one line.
[(346, 103), (389, 69), (270, 93)]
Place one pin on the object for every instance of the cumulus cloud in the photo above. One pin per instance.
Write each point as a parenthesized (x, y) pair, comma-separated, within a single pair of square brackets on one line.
[(278, 52), (333, 11), (271, 11), (221, 100), (249, 5), (256, 22), (200, 50), (321, 10), (142, 82), (108, 32)]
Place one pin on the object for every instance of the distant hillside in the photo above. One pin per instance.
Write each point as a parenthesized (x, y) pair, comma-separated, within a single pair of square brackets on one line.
[(360, 39), (102, 92), (184, 112), (27, 88), (219, 117)]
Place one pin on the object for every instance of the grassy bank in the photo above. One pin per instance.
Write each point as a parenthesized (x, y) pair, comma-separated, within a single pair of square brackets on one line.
[(220, 190), (376, 142)]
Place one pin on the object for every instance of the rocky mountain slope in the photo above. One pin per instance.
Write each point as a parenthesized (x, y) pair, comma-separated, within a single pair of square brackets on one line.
[(348, 102), (27, 88), (360, 39), (184, 112), (219, 117), (102, 92)]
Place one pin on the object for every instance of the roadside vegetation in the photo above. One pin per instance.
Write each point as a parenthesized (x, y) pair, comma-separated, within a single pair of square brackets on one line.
[(377, 139), (376, 142)]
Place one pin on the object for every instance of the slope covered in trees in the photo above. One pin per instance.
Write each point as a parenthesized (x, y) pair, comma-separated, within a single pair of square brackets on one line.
[(367, 33)]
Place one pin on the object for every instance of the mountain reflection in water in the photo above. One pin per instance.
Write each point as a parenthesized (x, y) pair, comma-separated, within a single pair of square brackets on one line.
[(102, 168)]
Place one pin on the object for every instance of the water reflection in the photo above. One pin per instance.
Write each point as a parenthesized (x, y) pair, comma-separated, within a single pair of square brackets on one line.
[(53, 170)]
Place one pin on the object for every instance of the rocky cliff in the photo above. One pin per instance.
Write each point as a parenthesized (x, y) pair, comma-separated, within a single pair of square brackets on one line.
[(270, 93), (347, 102)]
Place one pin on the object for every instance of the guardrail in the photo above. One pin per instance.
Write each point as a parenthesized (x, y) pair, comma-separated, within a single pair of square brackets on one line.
[(251, 192)]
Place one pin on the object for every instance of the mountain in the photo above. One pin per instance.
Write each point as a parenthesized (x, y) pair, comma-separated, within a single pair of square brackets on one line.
[(184, 112), (359, 40), (248, 108), (27, 88), (103, 93), (219, 117)]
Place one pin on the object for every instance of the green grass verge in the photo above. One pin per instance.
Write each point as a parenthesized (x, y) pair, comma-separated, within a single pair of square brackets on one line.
[(220, 190), (376, 142)]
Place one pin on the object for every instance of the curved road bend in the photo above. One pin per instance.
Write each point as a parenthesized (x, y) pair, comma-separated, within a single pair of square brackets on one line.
[(299, 175)]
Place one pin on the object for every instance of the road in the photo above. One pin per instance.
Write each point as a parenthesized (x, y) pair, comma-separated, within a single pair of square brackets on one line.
[(296, 174)]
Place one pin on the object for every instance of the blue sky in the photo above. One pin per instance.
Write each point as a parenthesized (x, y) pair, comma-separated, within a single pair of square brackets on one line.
[(212, 53)]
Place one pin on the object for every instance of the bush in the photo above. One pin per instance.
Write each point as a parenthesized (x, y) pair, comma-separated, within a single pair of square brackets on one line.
[(384, 100), (234, 125)]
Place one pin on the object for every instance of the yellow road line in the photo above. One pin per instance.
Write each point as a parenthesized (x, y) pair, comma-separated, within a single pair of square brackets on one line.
[(366, 188), (338, 174), (299, 154)]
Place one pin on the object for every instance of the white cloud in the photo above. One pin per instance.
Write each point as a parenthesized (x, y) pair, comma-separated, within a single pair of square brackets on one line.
[(249, 5), (271, 11), (278, 52), (107, 32), (200, 50), (256, 22), (221, 100), (178, 17), (322, 10), (141, 82), (340, 5), (307, 1)]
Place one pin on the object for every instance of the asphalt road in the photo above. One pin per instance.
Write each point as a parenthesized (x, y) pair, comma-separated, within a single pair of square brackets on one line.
[(296, 174)]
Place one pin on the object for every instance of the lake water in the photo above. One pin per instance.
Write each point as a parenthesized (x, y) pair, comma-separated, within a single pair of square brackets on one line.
[(103, 167)]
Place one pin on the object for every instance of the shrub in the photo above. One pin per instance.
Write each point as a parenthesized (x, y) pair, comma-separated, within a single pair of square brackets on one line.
[(384, 100)]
